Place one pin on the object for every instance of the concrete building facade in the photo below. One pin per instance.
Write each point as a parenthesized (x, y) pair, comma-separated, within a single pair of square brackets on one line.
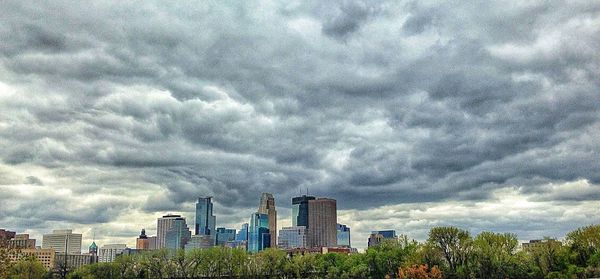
[(108, 252), (322, 221), (22, 241), (45, 256), (62, 240)]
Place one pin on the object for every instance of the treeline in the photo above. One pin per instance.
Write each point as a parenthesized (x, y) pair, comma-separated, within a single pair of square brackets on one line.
[(449, 252)]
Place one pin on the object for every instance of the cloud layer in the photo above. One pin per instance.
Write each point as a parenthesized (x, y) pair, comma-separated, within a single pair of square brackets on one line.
[(411, 114)]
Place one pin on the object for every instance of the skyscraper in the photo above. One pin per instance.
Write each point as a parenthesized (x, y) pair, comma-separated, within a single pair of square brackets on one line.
[(267, 206), (61, 240), (300, 210), (259, 237), (343, 235), (205, 220), (322, 221), (172, 232)]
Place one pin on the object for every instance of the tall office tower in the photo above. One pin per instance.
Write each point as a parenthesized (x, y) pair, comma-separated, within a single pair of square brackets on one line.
[(108, 252), (343, 235), (322, 221), (292, 237), (267, 206), (62, 240), (172, 232), (259, 237), (300, 210), (142, 242), (224, 235), (205, 220), (242, 234)]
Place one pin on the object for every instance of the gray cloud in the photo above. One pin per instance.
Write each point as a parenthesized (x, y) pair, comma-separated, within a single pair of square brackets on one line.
[(145, 107)]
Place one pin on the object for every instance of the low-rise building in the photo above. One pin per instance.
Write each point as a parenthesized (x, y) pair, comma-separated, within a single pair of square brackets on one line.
[(73, 261), (45, 256), (109, 252), (200, 241), (22, 241), (377, 236), (292, 237)]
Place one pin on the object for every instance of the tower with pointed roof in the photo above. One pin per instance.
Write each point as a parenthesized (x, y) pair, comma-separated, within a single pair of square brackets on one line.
[(93, 250)]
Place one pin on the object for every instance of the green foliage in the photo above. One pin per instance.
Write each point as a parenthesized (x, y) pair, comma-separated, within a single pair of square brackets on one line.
[(5, 253), (456, 246), (584, 243), (494, 254), (27, 268), (385, 258), (449, 252)]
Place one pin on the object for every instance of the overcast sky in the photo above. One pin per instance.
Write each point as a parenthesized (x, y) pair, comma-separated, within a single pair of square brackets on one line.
[(412, 114)]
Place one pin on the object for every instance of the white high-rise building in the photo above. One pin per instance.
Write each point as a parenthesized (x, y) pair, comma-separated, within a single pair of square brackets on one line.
[(292, 237), (62, 240), (109, 252)]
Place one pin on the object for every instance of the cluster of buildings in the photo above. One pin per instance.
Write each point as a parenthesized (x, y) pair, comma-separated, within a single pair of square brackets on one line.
[(60, 250), (314, 226), (314, 230)]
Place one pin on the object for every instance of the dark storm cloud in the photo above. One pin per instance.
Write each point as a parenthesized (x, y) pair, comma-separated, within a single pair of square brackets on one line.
[(373, 103), (347, 18)]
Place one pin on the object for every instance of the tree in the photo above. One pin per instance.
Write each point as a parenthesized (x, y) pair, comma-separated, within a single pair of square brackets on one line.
[(549, 256), (97, 270), (5, 252), (583, 243), (28, 268), (455, 245), (385, 258), (493, 253), (419, 272), (271, 262)]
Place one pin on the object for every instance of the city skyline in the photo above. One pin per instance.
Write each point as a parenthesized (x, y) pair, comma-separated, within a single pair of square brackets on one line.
[(410, 114)]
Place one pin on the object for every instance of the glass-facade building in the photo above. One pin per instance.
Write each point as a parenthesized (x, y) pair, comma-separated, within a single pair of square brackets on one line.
[(242, 235), (200, 242), (300, 210), (267, 206), (377, 236), (224, 235), (386, 233), (178, 234), (292, 237), (205, 220), (259, 237), (343, 235)]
